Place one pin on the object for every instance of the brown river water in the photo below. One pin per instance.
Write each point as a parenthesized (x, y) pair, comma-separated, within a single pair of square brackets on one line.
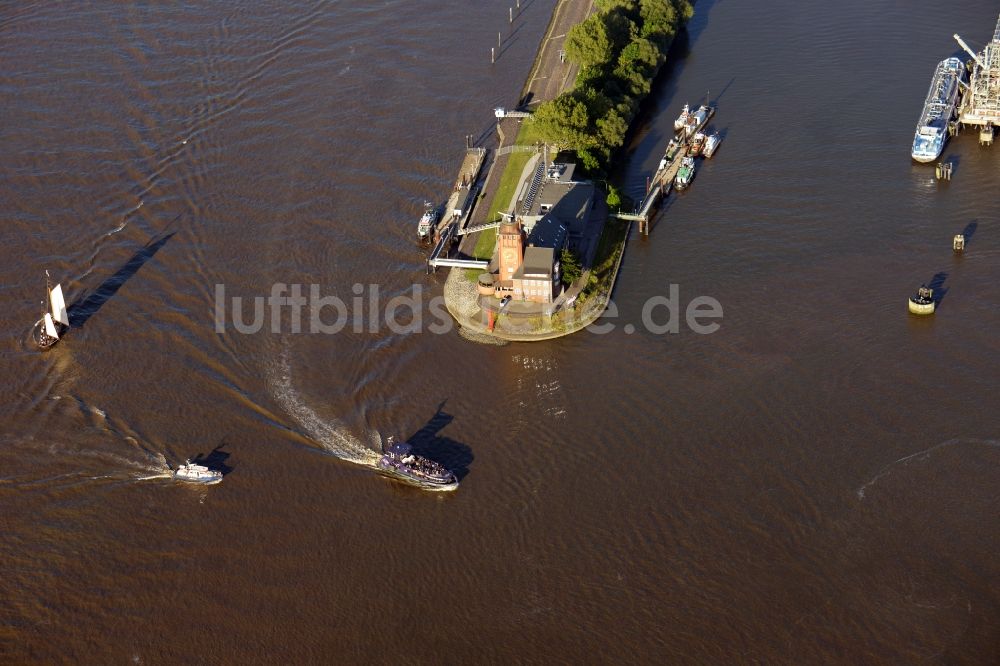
[(815, 482)]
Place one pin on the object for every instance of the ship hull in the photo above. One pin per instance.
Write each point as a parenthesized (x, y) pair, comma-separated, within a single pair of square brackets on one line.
[(40, 338), (939, 109), (420, 482), (200, 482)]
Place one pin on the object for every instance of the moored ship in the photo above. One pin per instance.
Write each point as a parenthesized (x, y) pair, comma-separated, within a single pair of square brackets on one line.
[(939, 109), (697, 144), (697, 120), (711, 144), (425, 227), (685, 174), (399, 461), (682, 119)]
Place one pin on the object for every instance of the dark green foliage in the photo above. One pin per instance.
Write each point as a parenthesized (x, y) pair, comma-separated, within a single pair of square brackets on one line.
[(614, 197), (619, 50), (571, 269), (588, 43)]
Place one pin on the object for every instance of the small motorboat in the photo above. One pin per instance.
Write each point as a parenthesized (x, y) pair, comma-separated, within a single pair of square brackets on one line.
[(686, 173), (697, 144), (425, 227), (194, 473), (711, 144), (55, 320), (682, 119), (399, 461), (923, 302)]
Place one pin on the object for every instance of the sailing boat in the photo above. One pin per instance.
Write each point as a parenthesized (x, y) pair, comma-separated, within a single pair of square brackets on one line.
[(55, 320)]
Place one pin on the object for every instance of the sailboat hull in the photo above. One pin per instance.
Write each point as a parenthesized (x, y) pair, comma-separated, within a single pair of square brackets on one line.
[(42, 339)]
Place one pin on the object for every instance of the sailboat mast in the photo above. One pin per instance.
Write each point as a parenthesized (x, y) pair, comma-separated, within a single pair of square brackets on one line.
[(48, 291)]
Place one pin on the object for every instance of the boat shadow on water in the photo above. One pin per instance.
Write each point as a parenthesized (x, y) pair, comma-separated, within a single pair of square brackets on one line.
[(455, 456), (88, 304), (937, 284), (970, 231), (215, 459)]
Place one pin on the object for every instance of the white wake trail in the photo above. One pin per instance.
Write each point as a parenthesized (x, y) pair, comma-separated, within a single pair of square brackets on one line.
[(331, 435), (921, 455)]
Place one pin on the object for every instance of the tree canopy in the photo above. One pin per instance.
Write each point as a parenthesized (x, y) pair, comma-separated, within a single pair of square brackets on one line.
[(619, 50), (571, 269)]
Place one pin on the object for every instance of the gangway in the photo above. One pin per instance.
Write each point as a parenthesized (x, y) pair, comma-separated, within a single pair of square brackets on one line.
[(441, 244), (434, 264), (436, 259), (479, 227)]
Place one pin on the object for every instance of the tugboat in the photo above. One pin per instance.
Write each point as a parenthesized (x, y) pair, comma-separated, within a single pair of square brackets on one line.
[(686, 173), (697, 144), (399, 461), (425, 228), (193, 473), (682, 119), (711, 144), (54, 322), (923, 302)]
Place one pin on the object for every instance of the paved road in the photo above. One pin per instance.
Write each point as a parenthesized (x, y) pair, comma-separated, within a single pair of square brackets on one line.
[(550, 76)]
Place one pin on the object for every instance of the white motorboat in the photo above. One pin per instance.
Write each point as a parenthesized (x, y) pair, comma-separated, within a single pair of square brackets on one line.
[(193, 473)]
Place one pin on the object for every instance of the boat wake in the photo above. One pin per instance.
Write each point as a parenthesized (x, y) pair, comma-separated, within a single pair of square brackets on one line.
[(125, 217), (331, 435), (146, 462), (920, 456)]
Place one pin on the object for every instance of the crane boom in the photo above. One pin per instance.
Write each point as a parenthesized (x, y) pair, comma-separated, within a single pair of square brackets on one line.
[(968, 50)]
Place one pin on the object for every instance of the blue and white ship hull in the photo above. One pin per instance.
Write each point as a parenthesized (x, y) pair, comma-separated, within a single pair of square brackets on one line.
[(939, 109)]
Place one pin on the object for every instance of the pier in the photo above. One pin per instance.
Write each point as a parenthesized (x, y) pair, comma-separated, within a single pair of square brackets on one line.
[(457, 212), (663, 180)]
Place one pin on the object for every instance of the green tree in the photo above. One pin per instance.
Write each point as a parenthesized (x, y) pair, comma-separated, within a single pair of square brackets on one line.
[(619, 50), (571, 269), (627, 7), (564, 122), (588, 43), (614, 198), (611, 130)]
